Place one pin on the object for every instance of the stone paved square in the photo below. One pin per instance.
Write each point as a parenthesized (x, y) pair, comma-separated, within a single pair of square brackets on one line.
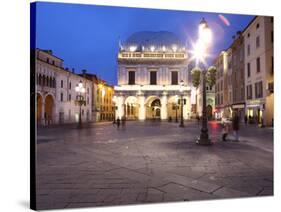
[(149, 162)]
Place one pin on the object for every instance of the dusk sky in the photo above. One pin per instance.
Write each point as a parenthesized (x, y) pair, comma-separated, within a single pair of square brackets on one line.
[(87, 36)]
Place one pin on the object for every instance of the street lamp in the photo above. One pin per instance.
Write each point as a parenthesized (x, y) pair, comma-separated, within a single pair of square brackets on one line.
[(200, 52), (181, 93), (176, 104), (80, 90)]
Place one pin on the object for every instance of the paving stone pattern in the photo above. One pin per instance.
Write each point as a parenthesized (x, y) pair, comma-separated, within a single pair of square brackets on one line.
[(149, 162)]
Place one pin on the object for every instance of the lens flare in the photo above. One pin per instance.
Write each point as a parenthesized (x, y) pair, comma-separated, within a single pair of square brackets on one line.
[(224, 20)]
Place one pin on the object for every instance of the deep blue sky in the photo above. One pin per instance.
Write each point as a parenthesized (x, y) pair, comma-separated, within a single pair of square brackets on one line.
[(87, 36)]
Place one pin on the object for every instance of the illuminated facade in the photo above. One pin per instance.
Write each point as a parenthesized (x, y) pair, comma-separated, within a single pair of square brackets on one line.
[(150, 68), (102, 99), (55, 91), (259, 70), (104, 102)]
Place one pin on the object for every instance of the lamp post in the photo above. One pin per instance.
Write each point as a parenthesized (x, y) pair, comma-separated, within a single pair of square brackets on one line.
[(200, 52), (176, 104), (181, 102), (80, 90)]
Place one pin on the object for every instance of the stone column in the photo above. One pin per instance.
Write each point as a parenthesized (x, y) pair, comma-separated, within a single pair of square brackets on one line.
[(120, 107), (164, 106), (141, 100)]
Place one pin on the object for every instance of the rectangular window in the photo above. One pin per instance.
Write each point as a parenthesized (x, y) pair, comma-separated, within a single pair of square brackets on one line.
[(61, 83), (69, 97), (69, 85), (61, 97), (248, 69), (153, 78), (248, 49), (131, 78), (272, 36), (174, 78), (258, 89), (258, 65), (258, 41), (249, 91)]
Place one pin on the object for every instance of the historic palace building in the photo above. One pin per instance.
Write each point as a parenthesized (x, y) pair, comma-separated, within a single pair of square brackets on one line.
[(55, 91), (153, 77)]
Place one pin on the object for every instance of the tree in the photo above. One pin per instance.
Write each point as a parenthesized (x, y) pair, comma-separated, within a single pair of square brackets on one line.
[(211, 76), (195, 75)]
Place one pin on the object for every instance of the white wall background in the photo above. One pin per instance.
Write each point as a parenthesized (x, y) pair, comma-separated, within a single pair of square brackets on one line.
[(14, 106)]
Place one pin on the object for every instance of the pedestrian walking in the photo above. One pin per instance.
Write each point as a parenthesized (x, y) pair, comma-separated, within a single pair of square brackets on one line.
[(225, 131), (118, 122), (235, 127), (246, 119)]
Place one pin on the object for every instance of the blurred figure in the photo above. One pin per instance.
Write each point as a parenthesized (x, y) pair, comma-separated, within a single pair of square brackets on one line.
[(118, 122), (225, 131), (198, 118), (246, 119), (235, 127)]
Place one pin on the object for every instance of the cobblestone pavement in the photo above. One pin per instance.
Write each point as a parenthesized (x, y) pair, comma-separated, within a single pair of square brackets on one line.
[(149, 162)]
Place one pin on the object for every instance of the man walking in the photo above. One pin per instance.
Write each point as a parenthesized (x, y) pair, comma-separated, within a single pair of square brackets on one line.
[(235, 127)]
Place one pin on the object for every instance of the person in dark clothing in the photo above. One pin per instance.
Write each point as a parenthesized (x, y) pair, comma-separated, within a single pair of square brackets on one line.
[(246, 119), (118, 122), (235, 126)]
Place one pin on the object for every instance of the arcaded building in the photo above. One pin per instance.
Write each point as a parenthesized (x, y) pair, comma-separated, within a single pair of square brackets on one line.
[(55, 91), (151, 68)]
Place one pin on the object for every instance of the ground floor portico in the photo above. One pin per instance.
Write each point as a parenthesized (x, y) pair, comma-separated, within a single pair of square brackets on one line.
[(152, 104)]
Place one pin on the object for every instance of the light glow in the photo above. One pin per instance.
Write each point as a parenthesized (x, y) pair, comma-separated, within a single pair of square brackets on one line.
[(174, 47), (103, 92), (133, 48)]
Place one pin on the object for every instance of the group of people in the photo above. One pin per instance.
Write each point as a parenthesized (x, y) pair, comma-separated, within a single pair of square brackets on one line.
[(228, 126), (119, 122)]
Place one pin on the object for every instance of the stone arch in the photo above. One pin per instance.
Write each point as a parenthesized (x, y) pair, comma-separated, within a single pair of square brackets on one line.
[(153, 107), (49, 108), (131, 108)]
